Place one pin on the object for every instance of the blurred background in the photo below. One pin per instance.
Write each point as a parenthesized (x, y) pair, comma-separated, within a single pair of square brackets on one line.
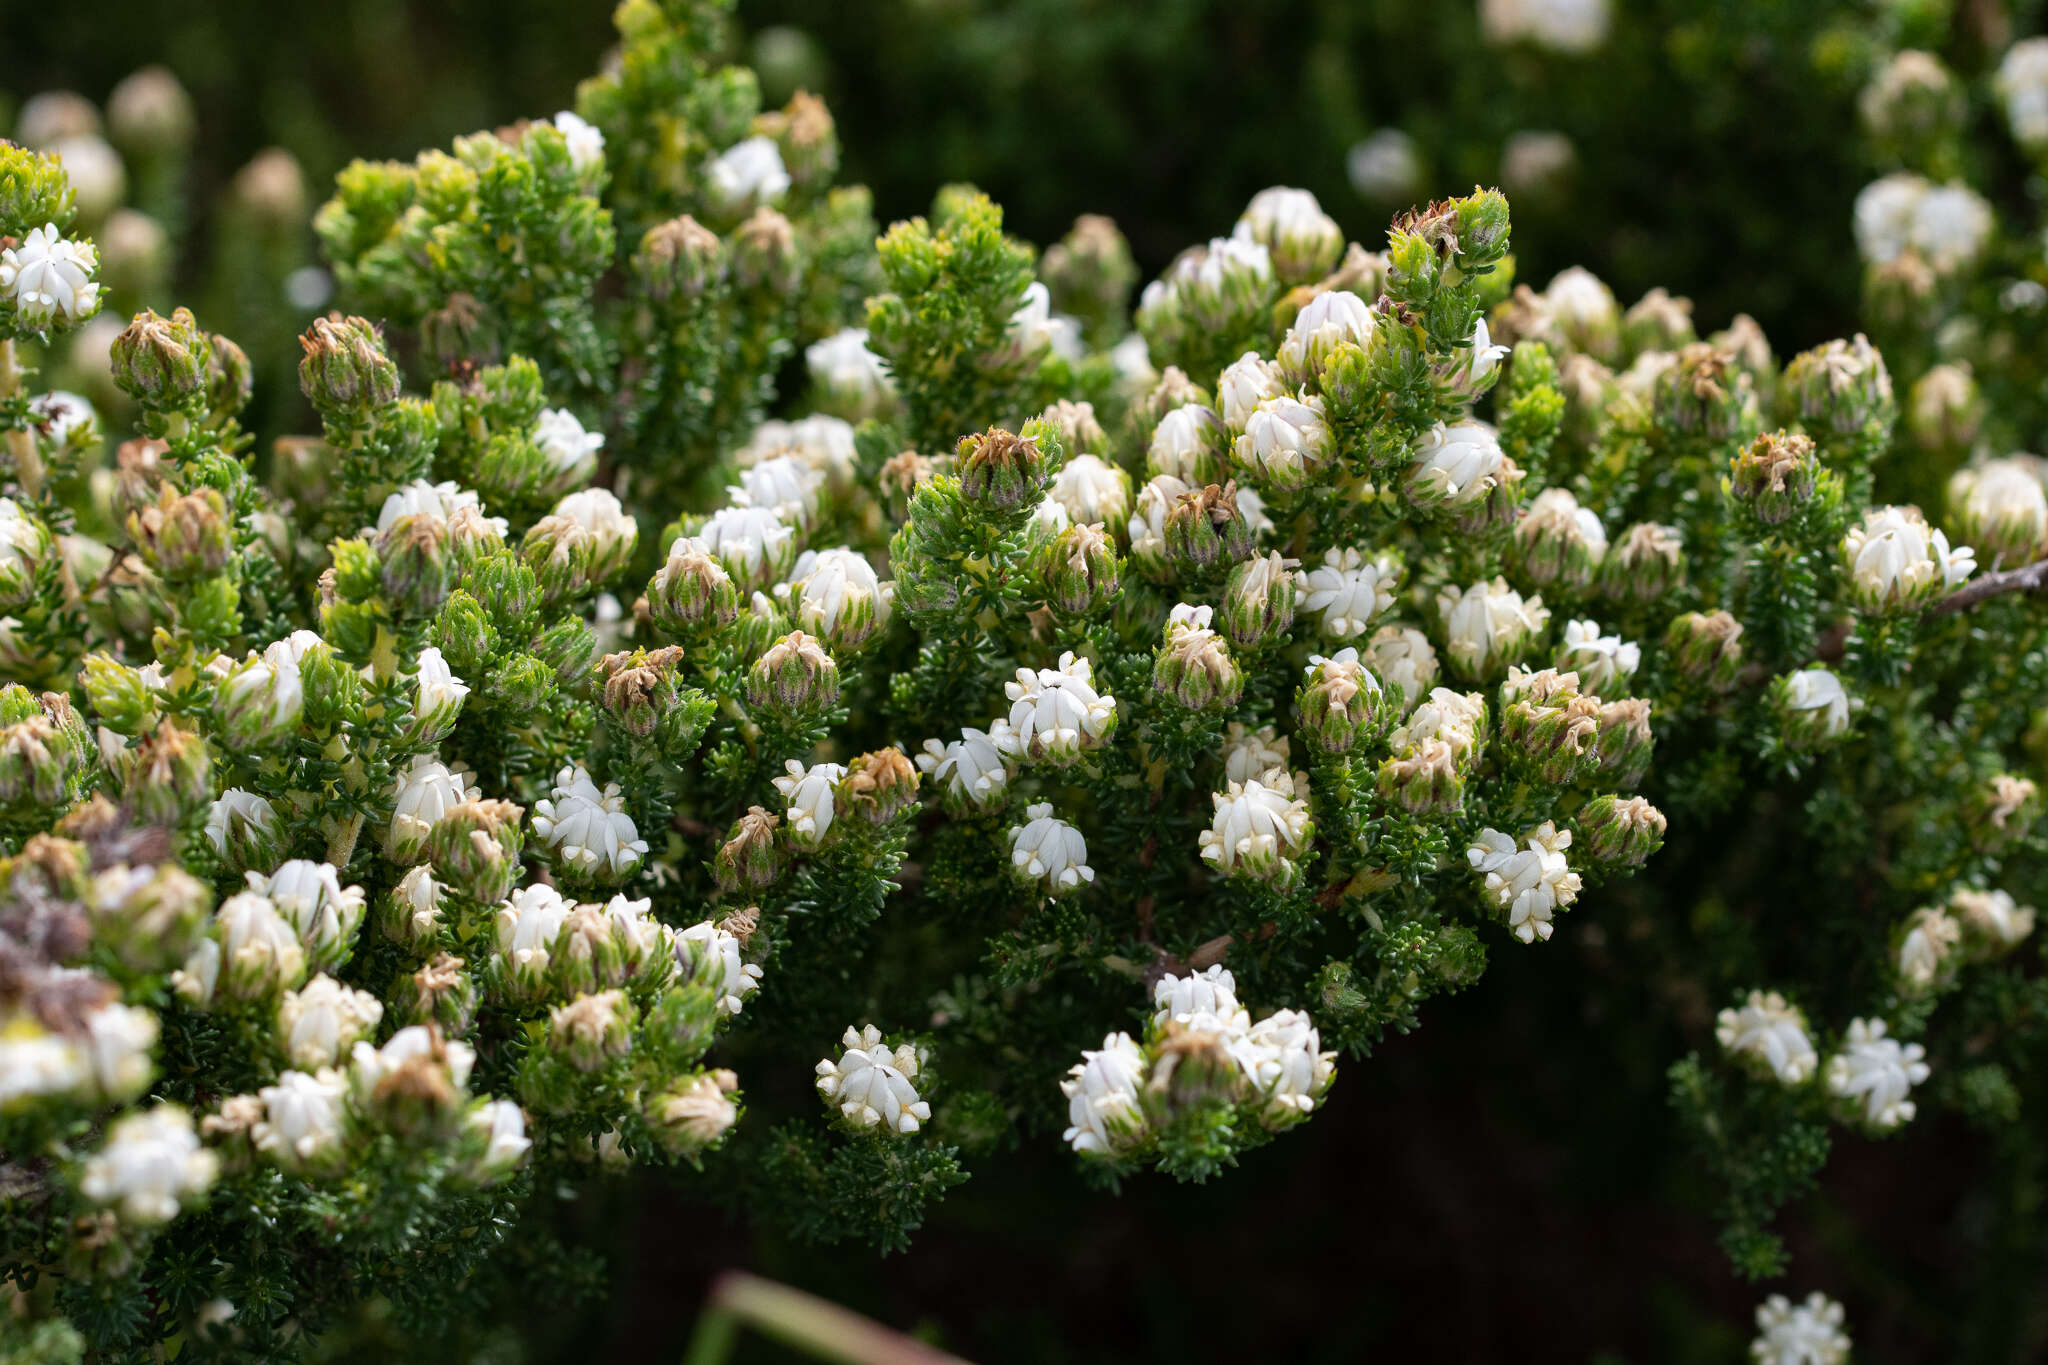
[(1506, 1184)]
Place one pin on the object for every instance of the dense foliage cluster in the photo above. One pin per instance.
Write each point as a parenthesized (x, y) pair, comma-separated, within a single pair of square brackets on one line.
[(712, 652)]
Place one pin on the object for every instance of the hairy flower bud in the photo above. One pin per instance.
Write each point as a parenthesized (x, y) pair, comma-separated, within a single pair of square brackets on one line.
[(765, 255), (1205, 529), (1705, 394), (2002, 507), (1080, 572), (692, 1115), (747, 860), (1559, 542), (794, 678), (1192, 666), (1341, 705), (1775, 475), (162, 362), (878, 785), (1001, 471), (1259, 601), (184, 537), (476, 846), (345, 372), (171, 776), (679, 259), (591, 1031), (1707, 647), (1841, 386), (1646, 561)]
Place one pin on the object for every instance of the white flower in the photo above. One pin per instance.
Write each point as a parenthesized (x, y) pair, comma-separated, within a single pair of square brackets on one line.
[(748, 172), (1873, 1074), (753, 544), (2001, 505), (786, 485), (569, 448), (1247, 382), (1049, 518), (1488, 625), (1049, 851), (1772, 1033), (1055, 713), (871, 1085), (1994, 916), (60, 414), (1104, 1112), (2023, 85), (420, 796), (235, 812), (1809, 1333), (1285, 440), (853, 376), (586, 143), (323, 912), (1384, 165), (1329, 320), (1573, 27), (1931, 935), (1894, 558), (1884, 215), (1147, 531), (116, 1048), (529, 922), (151, 1164), (1283, 1058), (1818, 689), (35, 1064), (97, 177), (417, 900), (259, 701), (1951, 225), (323, 1019), (1093, 491), (1455, 465), (712, 956), (587, 826), (305, 1118), (23, 543), (634, 927), (1486, 358), (257, 946), (839, 597), (1402, 656), (1290, 223), (1251, 754), (1132, 360), (809, 794), (1531, 882), (1601, 661), (972, 767), (502, 1125), (1208, 994), (441, 501), (1038, 330), (822, 441), (1256, 825), (1349, 590), (49, 275), (437, 697), (413, 1043)]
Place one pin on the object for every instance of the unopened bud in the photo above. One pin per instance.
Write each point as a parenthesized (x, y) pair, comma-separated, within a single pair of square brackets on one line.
[(795, 677), (1841, 386), (747, 859), (764, 253), (591, 1031), (1644, 563), (1080, 568), (878, 785), (345, 372), (161, 362), (1705, 394), (1775, 475), (1205, 529), (1707, 647), (1619, 831), (679, 259), (476, 847), (1341, 705), (1001, 471)]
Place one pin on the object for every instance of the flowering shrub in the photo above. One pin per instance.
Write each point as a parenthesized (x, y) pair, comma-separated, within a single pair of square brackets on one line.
[(581, 734)]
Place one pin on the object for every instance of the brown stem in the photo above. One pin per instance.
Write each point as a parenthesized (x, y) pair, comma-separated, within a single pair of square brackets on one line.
[(2028, 578)]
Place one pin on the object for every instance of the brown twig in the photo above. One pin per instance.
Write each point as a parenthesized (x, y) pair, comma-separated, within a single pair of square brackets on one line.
[(2028, 578)]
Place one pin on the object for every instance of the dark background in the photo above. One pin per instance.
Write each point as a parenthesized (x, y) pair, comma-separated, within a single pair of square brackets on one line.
[(1507, 1183)]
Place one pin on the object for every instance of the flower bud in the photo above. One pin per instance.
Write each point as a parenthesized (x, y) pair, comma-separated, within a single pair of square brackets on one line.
[(1658, 321), (1619, 831), (1258, 601), (1840, 386), (416, 1084), (172, 776), (476, 846), (765, 255), (1286, 443), (149, 114), (230, 379), (591, 1031), (580, 545), (242, 829), (1894, 561), (413, 565), (1546, 726), (1001, 471), (1327, 321), (162, 362), (320, 1022), (1192, 666), (1775, 475), (1704, 394), (839, 596), (1190, 444), (878, 785), (1341, 705), (1147, 530), (795, 678), (679, 259), (1304, 242), (1706, 647), (692, 593), (345, 372), (747, 860), (1626, 741), (184, 537), (1559, 542), (2000, 506), (1647, 561), (691, 1116), (2002, 811), (463, 632), (411, 913), (1945, 409), (1192, 1073), (1205, 530), (640, 688), (1424, 778), (1080, 569), (442, 994), (258, 704), (150, 918)]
